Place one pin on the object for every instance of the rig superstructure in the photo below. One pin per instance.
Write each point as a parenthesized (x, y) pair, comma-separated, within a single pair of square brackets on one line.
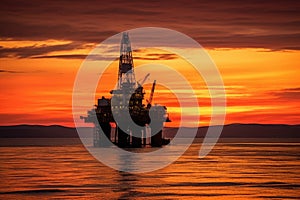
[(125, 109)]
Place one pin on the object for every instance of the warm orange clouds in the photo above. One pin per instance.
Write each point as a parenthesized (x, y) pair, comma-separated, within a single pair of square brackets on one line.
[(37, 91), (254, 44), (267, 85), (262, 87)]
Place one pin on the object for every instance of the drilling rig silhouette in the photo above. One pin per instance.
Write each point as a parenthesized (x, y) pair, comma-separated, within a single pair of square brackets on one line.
[(134, 122)]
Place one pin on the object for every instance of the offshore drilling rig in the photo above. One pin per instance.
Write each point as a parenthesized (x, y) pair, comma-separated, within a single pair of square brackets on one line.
[(125, 110)]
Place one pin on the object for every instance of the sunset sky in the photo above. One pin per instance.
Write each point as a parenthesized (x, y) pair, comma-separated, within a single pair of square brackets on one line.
[(254, 44)]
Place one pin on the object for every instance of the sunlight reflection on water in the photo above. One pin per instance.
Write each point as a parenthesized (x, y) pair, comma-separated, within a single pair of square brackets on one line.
[(231, 170)]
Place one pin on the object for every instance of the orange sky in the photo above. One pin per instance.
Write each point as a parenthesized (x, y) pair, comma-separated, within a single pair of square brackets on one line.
[(254, 45), (260, 87)]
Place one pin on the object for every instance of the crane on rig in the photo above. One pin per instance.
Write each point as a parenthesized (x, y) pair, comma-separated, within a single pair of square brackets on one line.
[(149, 102), (140, 84)]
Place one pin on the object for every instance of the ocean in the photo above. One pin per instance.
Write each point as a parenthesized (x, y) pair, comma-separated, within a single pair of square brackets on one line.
[(232, 170)]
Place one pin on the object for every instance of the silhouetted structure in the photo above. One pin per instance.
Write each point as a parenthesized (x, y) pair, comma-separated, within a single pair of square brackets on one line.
[(126, 109)]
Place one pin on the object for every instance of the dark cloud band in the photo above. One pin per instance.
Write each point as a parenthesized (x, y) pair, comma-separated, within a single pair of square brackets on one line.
[(214, 24)]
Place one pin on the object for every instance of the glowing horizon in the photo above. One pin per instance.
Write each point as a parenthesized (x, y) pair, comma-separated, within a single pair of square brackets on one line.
[(42, 91)]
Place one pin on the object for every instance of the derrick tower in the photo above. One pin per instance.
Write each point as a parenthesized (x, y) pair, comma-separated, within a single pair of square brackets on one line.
[(128, 93), (126, 77), (128, 98)]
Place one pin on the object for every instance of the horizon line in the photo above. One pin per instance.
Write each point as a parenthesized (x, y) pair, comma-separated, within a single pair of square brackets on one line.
[(235, 123)]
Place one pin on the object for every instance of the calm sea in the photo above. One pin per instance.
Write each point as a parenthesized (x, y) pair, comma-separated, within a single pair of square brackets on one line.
[(230, 171)]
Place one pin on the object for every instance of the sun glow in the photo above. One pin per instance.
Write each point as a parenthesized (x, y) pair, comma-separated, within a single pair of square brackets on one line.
[(260, 84)]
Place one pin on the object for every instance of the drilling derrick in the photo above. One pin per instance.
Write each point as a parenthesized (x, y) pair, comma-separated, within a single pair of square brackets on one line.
[(126, 77), (126, 109), (127, 98)]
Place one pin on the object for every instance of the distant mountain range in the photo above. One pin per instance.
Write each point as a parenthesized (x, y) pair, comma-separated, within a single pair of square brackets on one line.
[(37, 131), (247, 131), (229, 131)]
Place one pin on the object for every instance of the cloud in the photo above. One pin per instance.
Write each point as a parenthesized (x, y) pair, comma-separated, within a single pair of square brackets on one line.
[(288, 94), (65, 56), (292, 89), (157, 56), (10, 71), (29, 51), (216, 24), (109, 58), (91, 57)]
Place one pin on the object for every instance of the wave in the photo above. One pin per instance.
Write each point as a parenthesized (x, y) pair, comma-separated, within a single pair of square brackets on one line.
[(38, 191)]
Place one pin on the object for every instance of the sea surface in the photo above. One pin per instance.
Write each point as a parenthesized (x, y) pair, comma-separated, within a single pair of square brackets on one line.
[(232, 170)]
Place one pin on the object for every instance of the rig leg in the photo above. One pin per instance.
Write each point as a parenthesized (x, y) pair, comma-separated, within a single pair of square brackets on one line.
[(96, 136), (99, 141), (137, 141), (156, 129), (123, 138)]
